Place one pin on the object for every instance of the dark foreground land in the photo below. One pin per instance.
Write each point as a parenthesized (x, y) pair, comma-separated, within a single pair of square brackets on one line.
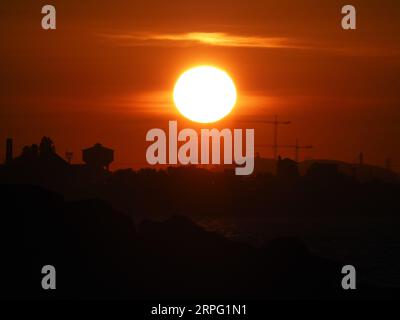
[(99, 252)]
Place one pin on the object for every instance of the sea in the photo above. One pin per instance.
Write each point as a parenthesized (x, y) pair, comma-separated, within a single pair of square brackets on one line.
[(371, 245)]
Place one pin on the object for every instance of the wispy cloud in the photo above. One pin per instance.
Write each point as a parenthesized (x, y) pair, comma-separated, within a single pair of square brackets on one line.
[(199, 38), (223, 39)]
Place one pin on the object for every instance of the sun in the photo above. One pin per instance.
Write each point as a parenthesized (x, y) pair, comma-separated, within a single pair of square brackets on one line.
[(205, 94)]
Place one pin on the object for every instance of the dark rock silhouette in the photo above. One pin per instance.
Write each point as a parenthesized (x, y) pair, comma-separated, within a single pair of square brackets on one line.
[(98, 253), (81, 221)]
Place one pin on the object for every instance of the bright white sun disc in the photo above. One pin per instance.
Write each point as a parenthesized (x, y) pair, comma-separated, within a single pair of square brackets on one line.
[(205, 94)]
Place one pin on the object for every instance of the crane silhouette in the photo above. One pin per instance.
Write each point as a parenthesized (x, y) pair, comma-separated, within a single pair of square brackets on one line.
[(275, 123), (296, 148)]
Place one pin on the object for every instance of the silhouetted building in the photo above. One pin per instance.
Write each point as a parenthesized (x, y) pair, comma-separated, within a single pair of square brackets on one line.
[(98, 156), (263, 165), (323, 170), (287, 168), (9, 150)]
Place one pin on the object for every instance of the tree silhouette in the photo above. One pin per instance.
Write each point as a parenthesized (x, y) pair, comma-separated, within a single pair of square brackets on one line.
[(30, 151), (46, 146)]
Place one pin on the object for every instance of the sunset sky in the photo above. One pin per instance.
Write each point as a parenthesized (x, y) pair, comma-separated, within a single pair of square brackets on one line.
[(106, 74)]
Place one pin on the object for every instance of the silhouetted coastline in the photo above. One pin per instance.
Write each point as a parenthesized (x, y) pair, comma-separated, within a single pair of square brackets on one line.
[(133, 234)]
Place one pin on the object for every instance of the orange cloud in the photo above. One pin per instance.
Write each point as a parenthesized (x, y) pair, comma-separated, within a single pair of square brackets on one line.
[(223, 39), (202, 38)]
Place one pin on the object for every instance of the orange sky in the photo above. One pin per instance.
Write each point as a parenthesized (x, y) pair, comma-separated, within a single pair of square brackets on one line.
[(106, 74)]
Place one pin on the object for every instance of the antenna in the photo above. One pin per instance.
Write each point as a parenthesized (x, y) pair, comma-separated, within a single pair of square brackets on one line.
[(69, 155)]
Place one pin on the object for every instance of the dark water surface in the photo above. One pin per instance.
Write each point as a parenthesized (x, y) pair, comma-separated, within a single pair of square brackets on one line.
[(372, 245)]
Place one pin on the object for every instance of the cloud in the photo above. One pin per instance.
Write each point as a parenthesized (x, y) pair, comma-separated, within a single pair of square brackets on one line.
[(223, 39), (199, 38)]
